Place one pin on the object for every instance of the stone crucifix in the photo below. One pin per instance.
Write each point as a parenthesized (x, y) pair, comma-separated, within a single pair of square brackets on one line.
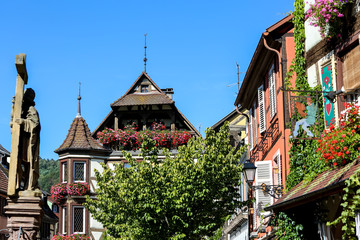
[(25, 131)]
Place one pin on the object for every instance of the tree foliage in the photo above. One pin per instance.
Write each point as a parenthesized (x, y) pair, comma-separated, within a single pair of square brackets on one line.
[(49, 173), (186, 196)]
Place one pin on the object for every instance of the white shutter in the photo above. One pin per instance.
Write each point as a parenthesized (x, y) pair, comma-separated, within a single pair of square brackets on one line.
[(255, 124), (278, 160), (251, 142), (261, 101), (272, 90), (263, 175)]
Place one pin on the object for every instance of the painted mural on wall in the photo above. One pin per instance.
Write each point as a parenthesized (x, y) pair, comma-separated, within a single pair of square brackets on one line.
[(326, 78)]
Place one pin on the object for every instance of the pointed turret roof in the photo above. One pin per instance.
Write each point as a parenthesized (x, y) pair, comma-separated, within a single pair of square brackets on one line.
[(79, 138), (134, 96)]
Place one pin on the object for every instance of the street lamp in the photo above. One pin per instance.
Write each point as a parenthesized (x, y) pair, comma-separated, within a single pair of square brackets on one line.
[(249, 170)]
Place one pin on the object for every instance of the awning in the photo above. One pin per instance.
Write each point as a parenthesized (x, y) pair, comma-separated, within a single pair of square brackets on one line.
[(326, 184)]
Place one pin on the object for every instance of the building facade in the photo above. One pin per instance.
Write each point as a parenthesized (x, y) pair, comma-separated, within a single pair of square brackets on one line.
[(237, 227), (143, 107), (262, 95), (334, 65)]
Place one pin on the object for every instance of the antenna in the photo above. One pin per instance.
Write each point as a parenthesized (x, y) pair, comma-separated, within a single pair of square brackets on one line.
[(238, 76), (238, 73), (145, 59), (79, 98)]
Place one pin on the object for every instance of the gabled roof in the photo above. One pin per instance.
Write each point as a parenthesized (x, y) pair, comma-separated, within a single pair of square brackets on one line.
[(228, 117), (132, 98), (326, 183), (79, 138), (4, 151), (260, 61)]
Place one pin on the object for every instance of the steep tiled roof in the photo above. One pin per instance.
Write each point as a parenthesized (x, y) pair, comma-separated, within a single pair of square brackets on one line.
[(79, 138), (3, 179), (142, 99), (326, 181)]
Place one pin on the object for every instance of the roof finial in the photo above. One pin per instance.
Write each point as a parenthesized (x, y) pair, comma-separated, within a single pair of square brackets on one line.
[(145, 59), (79, 107)]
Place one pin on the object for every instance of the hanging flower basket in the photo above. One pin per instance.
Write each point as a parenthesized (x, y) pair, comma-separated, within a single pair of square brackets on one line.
[(328, 16)]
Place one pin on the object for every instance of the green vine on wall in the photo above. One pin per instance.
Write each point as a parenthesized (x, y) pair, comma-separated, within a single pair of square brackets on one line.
[(304, 163), (298, 64), (351, 205)]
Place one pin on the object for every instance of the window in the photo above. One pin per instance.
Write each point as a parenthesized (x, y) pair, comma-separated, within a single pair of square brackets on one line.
[(78, 219), (351, 71), (272, 89), (144, 88), (79, 172), (55, 208), (64, 172), (64, 220), (261, 101)]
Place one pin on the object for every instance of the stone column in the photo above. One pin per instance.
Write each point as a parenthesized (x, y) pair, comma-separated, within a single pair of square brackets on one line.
[(24, 217)]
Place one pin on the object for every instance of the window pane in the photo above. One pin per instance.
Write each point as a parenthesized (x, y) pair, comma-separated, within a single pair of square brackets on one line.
[(78, 219), (79, 172), (64, 220), (64, 172)]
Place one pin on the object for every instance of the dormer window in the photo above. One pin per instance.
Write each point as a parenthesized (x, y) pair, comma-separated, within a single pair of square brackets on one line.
[(144, 88)]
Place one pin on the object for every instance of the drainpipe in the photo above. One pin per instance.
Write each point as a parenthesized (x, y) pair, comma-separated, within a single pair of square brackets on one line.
[(281, 77)]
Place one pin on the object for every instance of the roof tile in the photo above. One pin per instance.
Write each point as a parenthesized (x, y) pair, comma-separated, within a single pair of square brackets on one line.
[(327, 179), (142, 99)]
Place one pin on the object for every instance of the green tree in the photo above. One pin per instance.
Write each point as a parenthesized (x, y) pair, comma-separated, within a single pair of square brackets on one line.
[(49, 173), (186, 196)]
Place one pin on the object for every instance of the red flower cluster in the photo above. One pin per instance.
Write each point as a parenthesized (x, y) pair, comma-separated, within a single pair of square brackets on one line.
[(133, 126), (60, 190), (340, 146), (77, 189), (132, 140), (70, 237), (158, 126)]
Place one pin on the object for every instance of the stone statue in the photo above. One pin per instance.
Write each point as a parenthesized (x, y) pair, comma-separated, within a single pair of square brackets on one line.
[(29, 143), (25, 130)]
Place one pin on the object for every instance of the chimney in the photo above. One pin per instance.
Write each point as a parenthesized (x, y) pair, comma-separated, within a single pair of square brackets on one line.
[(169, 92)]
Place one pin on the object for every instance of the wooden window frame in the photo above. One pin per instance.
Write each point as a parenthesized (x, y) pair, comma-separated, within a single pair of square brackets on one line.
[(73, 219)]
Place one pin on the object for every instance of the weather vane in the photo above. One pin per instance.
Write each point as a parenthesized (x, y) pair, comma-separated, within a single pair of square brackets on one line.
[(145, 59)]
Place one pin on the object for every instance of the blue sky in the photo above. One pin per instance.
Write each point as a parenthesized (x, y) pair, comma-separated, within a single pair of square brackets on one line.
[(192, 48)]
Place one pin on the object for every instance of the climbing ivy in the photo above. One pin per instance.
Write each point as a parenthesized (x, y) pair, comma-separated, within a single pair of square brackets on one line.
[(350, 204), (304, 160), (298, 64), (286, 228), (304, 164)]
